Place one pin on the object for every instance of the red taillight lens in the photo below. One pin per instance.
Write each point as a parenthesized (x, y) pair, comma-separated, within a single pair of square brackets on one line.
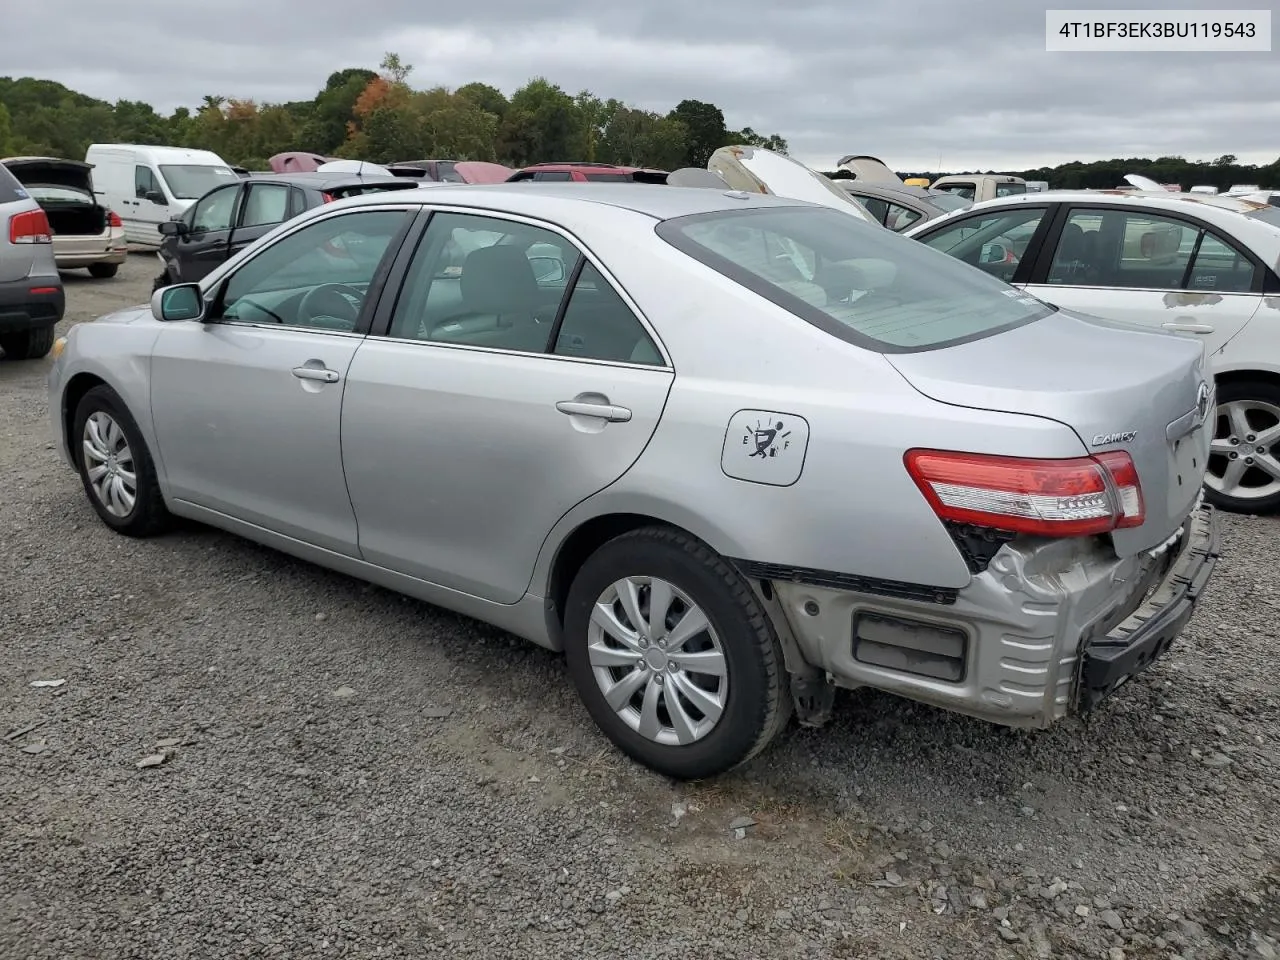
[(1048, 498), (31, 227), (113, 219), (327, 197)]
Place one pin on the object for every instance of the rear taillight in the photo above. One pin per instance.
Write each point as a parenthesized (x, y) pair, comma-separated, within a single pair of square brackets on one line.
[(1049, 498), (327, 197), (113, 219), (31, 227)]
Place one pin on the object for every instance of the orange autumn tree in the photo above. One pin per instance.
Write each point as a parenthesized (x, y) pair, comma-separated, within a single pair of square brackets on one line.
[(383, 102)]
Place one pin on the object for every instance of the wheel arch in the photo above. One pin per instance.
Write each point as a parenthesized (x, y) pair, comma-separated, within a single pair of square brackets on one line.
[(80, 384)]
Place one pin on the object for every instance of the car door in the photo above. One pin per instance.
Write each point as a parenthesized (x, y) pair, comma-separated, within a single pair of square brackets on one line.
[(1152, 268), (493, 397), (150, 205), (205, 244), (264, 207), (1002, 241), (247, 402)]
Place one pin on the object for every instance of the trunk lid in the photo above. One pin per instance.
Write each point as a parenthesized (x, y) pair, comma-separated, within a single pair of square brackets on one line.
[(52, 172), (757, 170), (869, 169), (1118, 386)]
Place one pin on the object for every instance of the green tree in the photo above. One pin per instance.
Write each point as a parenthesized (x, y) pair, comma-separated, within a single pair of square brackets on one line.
[(487, 98), (705, 130), (6, 132)]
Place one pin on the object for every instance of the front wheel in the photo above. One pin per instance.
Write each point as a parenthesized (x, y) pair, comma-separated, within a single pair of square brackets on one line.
[(103, 271), (1244, 461), (115, 466), (673, 656)]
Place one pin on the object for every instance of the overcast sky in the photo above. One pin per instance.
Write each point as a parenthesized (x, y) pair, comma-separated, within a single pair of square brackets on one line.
[(931, 84)]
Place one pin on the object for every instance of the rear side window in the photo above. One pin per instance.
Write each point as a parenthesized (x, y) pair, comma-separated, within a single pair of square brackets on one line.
[(863, 284), (10, 188), (608, 177)]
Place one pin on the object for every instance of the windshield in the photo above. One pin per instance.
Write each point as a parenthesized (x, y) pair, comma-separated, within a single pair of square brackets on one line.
[(190, 181), (856, 281), (944, 200)]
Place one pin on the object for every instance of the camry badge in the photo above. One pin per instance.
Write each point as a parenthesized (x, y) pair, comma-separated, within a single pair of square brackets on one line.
[(1122, 436)]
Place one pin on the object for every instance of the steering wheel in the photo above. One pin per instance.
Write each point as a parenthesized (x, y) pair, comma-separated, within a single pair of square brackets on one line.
[(328, 303)]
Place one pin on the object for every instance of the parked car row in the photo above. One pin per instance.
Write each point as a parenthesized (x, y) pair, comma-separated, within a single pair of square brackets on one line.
[(616, 419)]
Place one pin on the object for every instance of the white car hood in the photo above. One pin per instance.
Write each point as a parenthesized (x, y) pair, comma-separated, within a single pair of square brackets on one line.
[(757, 170)]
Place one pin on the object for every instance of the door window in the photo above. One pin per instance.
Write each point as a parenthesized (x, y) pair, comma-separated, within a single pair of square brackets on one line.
[(898, 217), (317, 277), (1220, 268), (144, 182), (214, 210), (1123, 248), (485, 282), (598, 324), (995, 243), (267, 203)]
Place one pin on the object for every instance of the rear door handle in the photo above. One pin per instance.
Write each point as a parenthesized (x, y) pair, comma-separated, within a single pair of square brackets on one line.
[(599, 411), (323, 374), (1188, 327)]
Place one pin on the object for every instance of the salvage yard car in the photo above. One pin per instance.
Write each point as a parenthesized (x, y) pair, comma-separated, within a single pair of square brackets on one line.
[(1199, 266), (738, 451), (85, 233), (32, 299)]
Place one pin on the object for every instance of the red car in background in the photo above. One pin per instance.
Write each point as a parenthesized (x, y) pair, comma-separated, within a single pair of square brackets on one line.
[(588, 173), (452, 171)]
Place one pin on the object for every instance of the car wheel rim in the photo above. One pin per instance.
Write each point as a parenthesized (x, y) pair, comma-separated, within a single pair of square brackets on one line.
[(658, 661), (1243, 461), (108, 463)]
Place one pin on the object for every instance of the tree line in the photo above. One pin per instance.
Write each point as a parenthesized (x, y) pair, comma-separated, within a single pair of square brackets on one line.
[(378, 115)]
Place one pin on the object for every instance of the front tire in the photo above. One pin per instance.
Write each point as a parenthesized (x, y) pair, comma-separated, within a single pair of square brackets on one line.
[(690, 692), (1244, 461), (103, 271), (27, 344), (115, 466)]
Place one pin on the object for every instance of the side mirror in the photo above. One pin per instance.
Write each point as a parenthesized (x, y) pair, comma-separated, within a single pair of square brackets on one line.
[(182, 301), (172, 228), (156, 197), (994, 253), (547, 269)]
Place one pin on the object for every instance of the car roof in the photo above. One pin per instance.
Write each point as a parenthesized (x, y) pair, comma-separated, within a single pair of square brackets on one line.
[(584, 166), (534, 198), (321, 181), (1163, 200), (887, 190)]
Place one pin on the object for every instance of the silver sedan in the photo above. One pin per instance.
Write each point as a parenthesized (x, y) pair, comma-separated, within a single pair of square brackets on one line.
[(728, 452)]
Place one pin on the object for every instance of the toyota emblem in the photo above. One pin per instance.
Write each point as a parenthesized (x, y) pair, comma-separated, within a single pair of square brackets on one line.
[(1202, 400)]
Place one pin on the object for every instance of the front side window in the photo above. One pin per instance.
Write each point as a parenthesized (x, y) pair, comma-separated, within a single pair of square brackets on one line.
[(144, 182), (485, 282), (215, 210), (994, 243), (316, 277), (267, 203), (187, 181), (867, 286)]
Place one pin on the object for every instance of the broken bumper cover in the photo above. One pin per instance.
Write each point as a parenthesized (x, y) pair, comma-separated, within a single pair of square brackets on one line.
[(1049, 629), (1114, 656)]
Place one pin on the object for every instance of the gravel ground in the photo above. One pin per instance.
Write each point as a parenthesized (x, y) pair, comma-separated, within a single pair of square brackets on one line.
[(341, 772)]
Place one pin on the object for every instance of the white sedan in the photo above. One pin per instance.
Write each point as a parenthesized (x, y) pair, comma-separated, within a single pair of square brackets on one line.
[(1199, 266)]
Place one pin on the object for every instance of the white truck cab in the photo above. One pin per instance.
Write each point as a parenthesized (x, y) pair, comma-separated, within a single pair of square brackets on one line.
[(147, 185)]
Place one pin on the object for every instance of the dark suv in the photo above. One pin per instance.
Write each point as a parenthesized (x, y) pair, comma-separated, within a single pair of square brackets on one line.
[(230, 217), (31, 295)]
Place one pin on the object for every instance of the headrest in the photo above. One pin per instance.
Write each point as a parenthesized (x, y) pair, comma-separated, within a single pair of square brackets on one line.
[(499, 279)]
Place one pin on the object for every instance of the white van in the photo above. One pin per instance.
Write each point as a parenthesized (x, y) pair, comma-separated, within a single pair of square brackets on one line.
[(148, 185)]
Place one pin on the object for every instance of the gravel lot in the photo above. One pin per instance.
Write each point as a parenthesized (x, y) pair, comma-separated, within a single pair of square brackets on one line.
[(347, 773)]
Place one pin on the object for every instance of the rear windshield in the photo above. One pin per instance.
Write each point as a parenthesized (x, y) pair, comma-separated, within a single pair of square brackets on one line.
[(189, 181), (857, 281), (10, 188)]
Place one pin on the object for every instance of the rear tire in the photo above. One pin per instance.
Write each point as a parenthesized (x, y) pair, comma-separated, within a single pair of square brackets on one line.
[(103, 271), (161, 281), (665, 708), (27, 344), (1246, 427), (115, 466)]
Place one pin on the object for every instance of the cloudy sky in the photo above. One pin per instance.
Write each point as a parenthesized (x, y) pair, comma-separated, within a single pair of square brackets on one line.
[(931, 84)]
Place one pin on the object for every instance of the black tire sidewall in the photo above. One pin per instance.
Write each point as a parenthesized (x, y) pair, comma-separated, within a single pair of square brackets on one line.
[(104, 271), (108, 401), (1245, 390), (746, 715)]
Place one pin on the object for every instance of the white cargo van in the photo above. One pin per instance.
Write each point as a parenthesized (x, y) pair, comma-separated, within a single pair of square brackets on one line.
[(148, 185)]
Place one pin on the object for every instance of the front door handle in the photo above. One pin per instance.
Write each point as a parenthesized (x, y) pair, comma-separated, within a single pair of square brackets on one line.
[(1188, 327), (323, 374), (599, 411)]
